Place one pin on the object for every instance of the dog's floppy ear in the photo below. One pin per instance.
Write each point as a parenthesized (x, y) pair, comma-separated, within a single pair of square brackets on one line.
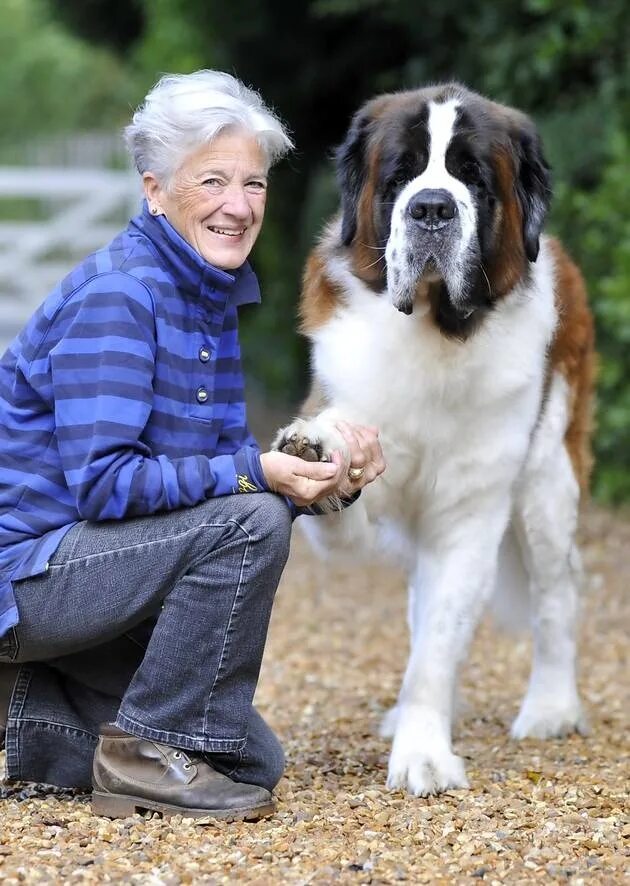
[(533, 183), (350, 159)]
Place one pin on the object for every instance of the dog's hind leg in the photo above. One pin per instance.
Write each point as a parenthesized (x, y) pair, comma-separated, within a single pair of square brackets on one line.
[(510, 602), (545, 518)]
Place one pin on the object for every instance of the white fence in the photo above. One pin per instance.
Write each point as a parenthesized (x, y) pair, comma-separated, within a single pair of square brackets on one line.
[(96, 150), (79, 210)]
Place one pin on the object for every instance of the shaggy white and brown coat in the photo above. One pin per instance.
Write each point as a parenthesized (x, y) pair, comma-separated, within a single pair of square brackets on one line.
[(438, 312)]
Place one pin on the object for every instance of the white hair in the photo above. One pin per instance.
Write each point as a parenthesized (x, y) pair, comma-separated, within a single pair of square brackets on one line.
[(184, 111)]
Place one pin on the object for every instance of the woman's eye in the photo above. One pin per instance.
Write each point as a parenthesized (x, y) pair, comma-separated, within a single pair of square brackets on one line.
[(256, 185), (213, 182)]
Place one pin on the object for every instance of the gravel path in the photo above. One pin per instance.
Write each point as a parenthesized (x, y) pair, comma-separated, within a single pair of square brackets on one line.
[(537, 811)]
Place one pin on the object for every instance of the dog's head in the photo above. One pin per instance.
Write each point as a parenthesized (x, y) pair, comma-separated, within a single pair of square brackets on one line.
[(444, 195)]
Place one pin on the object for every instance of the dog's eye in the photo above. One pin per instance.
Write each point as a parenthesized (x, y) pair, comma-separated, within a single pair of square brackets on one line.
[(470, 171), (396, 182)]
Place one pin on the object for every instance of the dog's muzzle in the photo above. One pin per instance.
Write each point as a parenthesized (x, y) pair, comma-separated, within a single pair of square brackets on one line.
[(432, 209)]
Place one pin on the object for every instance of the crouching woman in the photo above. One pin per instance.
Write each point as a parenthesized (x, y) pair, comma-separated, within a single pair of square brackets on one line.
[(142, 531)]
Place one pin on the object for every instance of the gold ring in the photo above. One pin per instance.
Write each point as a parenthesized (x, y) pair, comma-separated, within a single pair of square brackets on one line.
[(355, 473)]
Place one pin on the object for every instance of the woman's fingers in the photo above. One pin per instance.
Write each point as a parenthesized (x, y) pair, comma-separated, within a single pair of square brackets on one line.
[(317, 471), (369, 444), (364, 447), (358, 457), (302, 481), (314, 480)]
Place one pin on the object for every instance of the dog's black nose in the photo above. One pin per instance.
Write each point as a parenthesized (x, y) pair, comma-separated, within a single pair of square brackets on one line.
[(432, 209)]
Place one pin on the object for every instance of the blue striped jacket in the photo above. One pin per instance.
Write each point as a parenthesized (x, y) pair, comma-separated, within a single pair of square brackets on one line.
[(122, 396)]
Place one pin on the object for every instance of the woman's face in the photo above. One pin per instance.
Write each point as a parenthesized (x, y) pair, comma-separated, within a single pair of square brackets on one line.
[(216, 199)]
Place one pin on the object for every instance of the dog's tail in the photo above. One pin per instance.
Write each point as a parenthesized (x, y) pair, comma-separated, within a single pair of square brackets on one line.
[(510, 602)]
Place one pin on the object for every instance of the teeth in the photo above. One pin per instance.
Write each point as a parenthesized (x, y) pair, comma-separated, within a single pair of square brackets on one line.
[(227, 233)]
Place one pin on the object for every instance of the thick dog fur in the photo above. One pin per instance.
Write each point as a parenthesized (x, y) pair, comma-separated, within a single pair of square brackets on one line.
[(438, 312)]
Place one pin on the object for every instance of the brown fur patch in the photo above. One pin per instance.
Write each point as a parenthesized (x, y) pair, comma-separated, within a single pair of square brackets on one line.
[(320, 296), (509, 264), (572, 354), (368, 259), (367, 255)]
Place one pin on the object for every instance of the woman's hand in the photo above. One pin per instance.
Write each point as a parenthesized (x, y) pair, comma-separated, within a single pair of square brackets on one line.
[(304, 482), (366, 460)]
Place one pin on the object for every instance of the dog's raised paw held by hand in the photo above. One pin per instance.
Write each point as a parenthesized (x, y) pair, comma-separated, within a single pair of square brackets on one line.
[(295, 443), (309, 439)]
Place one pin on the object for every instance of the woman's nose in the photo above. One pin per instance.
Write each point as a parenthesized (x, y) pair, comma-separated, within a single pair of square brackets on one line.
[(236, 202)]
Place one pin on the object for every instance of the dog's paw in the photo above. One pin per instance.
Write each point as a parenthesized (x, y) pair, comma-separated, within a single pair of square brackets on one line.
[(549, 718), (421, 760), (302, 441), (425, 772), (310, 439)]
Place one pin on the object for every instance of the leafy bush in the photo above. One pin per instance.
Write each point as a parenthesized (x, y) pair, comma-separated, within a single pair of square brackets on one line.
[(564, 61), (53, 81), (596, 225)]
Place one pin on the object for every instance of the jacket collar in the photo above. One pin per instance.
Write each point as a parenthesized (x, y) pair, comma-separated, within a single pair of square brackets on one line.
[(190, 271)]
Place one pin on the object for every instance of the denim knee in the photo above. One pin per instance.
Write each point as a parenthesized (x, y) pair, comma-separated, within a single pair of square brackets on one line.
[(273, 519)]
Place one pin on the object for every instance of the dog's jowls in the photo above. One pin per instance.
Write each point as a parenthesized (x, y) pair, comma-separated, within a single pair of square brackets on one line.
[(438, 312)]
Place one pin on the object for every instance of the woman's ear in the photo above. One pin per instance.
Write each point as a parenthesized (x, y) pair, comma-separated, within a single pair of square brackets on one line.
[(153, 192)]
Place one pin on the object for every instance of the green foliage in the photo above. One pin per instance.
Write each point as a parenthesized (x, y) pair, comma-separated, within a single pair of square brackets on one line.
[(52, 81), (566, 62), (120, 28), (600, 224), (172, 43)]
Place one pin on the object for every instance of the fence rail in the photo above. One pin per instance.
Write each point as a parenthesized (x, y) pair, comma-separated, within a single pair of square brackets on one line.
[(81, 209), (102, 150)]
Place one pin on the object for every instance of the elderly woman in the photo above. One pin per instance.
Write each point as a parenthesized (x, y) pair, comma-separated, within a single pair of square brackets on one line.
[(142, 532)]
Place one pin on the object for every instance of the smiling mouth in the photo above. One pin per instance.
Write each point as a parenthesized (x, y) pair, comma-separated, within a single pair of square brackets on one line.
[(225, 232)]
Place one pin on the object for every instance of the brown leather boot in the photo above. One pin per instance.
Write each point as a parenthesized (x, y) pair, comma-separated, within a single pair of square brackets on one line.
[(134, 774)]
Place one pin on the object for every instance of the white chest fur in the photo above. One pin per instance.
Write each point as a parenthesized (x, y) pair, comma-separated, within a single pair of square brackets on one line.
[(454, 416)]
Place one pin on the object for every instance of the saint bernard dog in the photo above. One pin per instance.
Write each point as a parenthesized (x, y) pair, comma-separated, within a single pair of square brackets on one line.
[(438, 312)]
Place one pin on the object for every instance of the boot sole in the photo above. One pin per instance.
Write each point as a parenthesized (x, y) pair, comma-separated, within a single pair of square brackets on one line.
[(122, 806)]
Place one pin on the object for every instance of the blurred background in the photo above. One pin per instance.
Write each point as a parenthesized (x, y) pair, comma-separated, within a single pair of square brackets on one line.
[(72, 71)]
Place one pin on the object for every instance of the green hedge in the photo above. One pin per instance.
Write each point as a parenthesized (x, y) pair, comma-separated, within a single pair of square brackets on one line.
[(596, 226)]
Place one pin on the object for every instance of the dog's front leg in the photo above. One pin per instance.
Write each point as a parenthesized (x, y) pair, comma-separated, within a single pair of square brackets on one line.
[(453, 582), (341, 535)]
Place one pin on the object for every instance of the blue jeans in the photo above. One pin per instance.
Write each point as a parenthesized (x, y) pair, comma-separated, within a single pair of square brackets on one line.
[(157, 624)]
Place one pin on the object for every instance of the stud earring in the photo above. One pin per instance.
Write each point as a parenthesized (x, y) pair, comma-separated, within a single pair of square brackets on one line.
[(154, 210)]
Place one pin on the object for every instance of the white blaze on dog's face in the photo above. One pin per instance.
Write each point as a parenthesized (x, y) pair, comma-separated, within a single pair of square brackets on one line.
[(444, 194), (433, 222)]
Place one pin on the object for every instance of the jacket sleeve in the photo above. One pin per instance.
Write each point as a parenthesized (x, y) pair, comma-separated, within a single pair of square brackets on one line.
[(102, 378)]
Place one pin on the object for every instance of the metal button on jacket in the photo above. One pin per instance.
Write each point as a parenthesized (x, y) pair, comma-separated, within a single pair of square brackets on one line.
[(204, 354), (202, 395)]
